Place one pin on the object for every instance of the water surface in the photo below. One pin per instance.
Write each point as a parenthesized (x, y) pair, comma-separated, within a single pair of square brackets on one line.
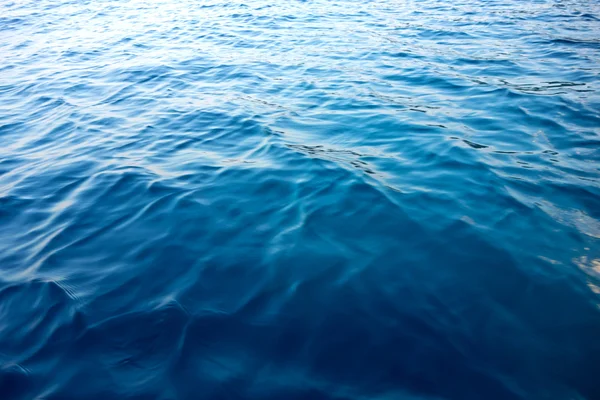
[(299, 199)]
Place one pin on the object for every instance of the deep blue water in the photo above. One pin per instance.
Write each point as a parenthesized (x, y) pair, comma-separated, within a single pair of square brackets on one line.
[(300, 199)]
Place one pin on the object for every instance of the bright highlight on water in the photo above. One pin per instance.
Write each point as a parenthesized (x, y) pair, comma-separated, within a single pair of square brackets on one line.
[(319, 200)]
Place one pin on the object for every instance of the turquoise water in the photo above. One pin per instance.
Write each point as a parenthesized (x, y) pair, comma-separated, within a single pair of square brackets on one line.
[(300, 200)]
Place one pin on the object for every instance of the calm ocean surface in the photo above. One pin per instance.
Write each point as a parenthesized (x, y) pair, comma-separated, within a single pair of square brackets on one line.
[(346, 200)]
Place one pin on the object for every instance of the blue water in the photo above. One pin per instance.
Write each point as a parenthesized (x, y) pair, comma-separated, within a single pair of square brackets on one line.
[(300, 199)]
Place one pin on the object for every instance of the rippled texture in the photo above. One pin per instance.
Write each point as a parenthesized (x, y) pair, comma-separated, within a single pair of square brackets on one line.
[(300, 200)]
